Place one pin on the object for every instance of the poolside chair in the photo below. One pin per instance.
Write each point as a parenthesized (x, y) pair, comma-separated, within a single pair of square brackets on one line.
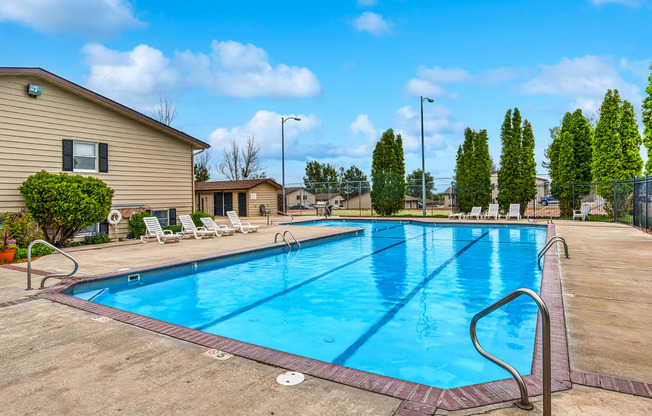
[(209, 223), (493, 212), (583, 212), (189, 227), (154, 230), (458, 215), (243, 227), (475, 212), (514, 212)]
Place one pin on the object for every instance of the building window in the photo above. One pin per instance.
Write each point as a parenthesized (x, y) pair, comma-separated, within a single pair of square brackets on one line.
[(90, 230), (298, 197), (84, 156), (305, 197), (163, 216)]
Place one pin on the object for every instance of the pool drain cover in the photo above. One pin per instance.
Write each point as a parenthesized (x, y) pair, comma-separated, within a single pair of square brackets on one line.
[(290, 378)]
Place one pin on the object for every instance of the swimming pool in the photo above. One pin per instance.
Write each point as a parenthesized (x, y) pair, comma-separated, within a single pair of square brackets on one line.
[(395, 300)]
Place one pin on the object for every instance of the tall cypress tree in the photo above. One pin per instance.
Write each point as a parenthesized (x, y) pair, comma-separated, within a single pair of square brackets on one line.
[(473, 171), (388, 174), (630, 139), (481, 170), (508, 174), (647, 123), (528, 168), (607, 148)]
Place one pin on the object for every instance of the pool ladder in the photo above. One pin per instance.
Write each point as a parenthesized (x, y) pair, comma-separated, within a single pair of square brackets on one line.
[(29, 264), (524, 402), (286, 240), (548, 245), (534, 214)]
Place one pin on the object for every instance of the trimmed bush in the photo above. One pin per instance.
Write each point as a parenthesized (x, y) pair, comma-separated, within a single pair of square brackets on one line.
[(38, 250), (97, 239), (63, 204), (137, 225), (173, 228), (196, 217), (22, 227)]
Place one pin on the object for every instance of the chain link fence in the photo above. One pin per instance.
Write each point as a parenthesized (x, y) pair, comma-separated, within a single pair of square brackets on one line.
[(628, 201)]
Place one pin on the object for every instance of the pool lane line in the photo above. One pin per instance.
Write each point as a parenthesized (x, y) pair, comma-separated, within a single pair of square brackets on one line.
[(353, 348), (299, 285)]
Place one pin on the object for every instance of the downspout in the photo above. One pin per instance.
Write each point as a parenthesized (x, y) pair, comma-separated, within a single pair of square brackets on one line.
[(192, 170)]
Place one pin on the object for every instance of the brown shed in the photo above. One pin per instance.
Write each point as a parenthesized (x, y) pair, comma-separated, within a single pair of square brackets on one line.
[(244, 197)]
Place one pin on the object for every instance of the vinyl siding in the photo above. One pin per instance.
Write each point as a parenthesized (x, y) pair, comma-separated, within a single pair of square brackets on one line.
[(266, 194), (146, 165)]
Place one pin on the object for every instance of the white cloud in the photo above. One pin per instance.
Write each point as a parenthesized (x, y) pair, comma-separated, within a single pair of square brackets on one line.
[(372, 23), (639, 68), (631, 3), (443, 76), (584, 80), (418, 87), (438, 124), (230, 69), (367, 3), (363, 126), (96, 19), (265, 126)]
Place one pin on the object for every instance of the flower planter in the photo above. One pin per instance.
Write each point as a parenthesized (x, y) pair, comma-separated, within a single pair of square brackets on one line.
[(7, 255)]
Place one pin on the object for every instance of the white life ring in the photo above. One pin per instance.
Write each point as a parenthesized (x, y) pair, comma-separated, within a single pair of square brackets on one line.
[(114, 217)]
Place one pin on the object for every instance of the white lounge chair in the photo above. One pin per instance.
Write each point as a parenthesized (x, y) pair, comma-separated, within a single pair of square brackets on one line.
[(243, 227), (209, 223), (583, 212), (493, 212), (154, 230), (189, 227), (458, 215), (475, 212), (514, 212)]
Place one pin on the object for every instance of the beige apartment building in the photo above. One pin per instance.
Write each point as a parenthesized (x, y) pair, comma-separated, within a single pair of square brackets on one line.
[(49, 123)]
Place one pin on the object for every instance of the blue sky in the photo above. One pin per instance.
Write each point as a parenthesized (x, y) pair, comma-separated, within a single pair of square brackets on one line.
[(349, 69)]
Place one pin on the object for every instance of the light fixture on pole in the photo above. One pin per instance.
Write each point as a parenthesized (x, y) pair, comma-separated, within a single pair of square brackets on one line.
[(423, 157), (283, 120)]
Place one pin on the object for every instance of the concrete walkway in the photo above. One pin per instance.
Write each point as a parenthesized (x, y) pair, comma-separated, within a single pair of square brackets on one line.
[(57, 360)]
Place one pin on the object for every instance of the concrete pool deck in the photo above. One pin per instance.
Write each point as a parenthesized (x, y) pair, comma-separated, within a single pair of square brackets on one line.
[(66, 331)]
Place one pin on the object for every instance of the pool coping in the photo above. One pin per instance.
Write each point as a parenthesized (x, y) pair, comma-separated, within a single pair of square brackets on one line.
[(417, 399)]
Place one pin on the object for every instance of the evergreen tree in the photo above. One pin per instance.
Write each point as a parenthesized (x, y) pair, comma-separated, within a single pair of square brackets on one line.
[(481, 170), (647, 123), (388, 174), (562, 171), (630, 139), (508, 183), (473, 171), (607, 147), (528, 168), (413, 185), (319, 176)]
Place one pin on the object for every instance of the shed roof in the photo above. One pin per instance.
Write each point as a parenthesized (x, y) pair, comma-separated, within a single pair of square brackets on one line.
[(233, 185)]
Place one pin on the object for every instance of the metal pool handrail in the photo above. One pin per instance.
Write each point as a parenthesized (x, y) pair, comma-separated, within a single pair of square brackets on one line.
[(295, 239), (535, 214), (29, 264), (284, 239), (282, 213), (548, 245), (524, 402)]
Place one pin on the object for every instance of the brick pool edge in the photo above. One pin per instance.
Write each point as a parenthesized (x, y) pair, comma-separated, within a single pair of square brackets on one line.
[(418, 399)]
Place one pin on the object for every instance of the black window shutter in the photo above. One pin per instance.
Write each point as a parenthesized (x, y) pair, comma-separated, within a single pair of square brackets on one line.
[(104, 228), (67, 155), (103, 150), (173, 216)]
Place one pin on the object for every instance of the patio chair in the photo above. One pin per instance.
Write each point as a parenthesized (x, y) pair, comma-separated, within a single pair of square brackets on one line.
[(243, 227), (189, 227), (209, 223), (493, 212), (264, 210), (458, 215), (514, 212), (475, 212), (154, 230), (583, 212)]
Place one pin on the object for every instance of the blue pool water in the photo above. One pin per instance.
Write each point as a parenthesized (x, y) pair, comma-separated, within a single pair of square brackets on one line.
[(396, 300)]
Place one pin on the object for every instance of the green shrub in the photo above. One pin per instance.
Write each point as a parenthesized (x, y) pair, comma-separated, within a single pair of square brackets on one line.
[(173, 228), (63, 204), (97, 239), (196, 217), (137, 225), (38, 250), (22, 227)]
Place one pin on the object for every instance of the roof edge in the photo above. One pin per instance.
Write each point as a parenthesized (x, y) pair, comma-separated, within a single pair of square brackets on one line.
[(92, 94)]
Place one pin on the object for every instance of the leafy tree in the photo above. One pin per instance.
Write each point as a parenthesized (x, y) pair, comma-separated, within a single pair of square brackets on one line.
[(137, 224), (64, 204), (319, 176), (473, 171), (202, 173), (508, 174), (630, 139), (528, 168), (647, 123), (352, 180), (413, 184), (388, 174)]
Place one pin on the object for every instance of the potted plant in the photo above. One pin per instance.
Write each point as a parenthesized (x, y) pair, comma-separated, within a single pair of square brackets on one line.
[(7, 246)]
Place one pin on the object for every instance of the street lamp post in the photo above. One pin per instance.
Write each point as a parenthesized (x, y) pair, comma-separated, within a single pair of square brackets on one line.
[(283, 120), (423, 158)]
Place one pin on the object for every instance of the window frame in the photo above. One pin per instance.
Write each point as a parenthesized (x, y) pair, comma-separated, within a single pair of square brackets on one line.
[(96, 231), (97, 157), (167, 220)]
